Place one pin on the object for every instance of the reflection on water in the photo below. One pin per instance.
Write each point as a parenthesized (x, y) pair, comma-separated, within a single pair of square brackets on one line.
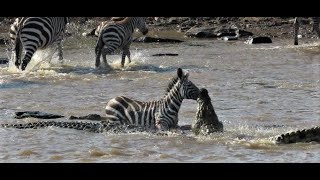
[(258, 91)]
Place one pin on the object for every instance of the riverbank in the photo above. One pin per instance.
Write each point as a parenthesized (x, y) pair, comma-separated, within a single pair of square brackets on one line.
[(273, 27)]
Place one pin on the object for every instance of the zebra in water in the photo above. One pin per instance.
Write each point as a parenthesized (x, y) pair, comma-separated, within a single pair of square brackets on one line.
[(124, 114), (32, 33), (96, 31), (297, 22), (161, 114), (118, 35)]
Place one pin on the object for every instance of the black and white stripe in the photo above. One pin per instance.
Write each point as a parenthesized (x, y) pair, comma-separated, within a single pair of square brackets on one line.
[(118, 35), (161, 114), (297, 23), (32, 33)]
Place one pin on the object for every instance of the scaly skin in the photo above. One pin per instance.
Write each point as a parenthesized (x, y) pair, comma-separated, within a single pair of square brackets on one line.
[(305, 135), (97, 127), (206, 121)]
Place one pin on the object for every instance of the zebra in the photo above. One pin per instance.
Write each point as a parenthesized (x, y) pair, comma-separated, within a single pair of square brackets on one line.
[(32, 33), (96, 31), (160, 115), (118, 35), (297, 22)]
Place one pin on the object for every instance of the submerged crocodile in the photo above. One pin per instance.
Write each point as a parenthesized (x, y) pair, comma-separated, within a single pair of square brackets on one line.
[(206, 122), (96, 127), (304, 135)]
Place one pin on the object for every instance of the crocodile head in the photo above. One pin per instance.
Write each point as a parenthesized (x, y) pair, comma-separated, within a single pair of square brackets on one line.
[(206, 120)]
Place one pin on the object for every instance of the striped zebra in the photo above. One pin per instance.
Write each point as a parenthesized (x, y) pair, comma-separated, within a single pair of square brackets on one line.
[(101, 26), (161, 114), (118, 35), (297, 22), (96, 31), (32, 33)]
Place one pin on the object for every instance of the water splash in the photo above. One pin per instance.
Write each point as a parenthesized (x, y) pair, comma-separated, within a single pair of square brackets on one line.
[(41, 59)]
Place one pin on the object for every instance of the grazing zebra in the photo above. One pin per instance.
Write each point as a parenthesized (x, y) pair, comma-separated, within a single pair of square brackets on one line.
[(161, 114), (32, 33), (118, 35), (297, 22)]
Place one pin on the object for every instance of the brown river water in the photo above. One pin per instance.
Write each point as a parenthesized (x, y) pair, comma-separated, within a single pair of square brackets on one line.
[(258, 91)]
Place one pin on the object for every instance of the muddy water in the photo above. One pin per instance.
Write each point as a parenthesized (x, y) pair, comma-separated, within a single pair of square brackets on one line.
[(258, 91)]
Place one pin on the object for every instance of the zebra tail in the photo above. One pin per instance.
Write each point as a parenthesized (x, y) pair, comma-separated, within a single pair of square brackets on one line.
[(89, 126)]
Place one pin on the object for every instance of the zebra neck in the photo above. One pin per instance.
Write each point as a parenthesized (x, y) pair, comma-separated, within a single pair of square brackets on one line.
[(129, 25), (171, 103)]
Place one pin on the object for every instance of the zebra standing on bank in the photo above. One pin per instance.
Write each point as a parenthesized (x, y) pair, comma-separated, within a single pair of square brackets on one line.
[(161, 114), (118, 35), (297, 22), (32, 33)]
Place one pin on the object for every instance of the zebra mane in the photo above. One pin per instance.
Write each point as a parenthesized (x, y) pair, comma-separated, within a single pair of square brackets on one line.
[(171, 83)]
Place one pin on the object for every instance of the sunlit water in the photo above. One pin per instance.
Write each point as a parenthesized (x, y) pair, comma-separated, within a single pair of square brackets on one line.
[(258, 91)]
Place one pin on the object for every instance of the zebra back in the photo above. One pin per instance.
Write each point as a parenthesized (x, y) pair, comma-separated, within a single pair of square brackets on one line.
[(127, 25), (135, 22), (32, 33), (48, 29)]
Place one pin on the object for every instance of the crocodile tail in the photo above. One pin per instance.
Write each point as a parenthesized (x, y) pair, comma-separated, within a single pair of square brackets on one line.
[(305, 135), (88, 126)]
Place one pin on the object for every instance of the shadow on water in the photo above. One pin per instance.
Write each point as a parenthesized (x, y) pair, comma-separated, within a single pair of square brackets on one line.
[(17, 83), (81, 70)]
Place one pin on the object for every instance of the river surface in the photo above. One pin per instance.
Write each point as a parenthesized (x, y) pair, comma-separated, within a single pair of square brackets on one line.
[(258, 91)]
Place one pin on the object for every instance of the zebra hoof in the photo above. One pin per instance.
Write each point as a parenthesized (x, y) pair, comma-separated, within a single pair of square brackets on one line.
[(23, 67), (17, 65)]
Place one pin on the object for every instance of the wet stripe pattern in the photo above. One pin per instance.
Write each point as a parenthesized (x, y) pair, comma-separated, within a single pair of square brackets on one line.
[(161, 114), (32, 33)]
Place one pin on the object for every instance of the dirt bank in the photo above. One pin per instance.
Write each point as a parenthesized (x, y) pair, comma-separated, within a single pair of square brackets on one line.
[(274, 27)]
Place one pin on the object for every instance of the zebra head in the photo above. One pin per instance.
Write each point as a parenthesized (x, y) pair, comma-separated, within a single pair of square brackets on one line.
[(141, 25), (188, 90)]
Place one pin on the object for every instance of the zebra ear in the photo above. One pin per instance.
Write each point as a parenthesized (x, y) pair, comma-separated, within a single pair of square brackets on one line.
[(186, 75), (66, 19), (179, 73)]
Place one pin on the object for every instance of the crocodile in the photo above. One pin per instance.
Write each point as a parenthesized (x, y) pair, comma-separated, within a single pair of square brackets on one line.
[(304, 135), (206, 122), (95, 127)]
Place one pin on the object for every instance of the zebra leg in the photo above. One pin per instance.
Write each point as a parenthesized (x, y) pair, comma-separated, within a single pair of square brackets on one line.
[(60, 53), (123, 58), (27, 58), (296, 29), (104, 56), (18, 52), (125, 52), (98, 55)]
